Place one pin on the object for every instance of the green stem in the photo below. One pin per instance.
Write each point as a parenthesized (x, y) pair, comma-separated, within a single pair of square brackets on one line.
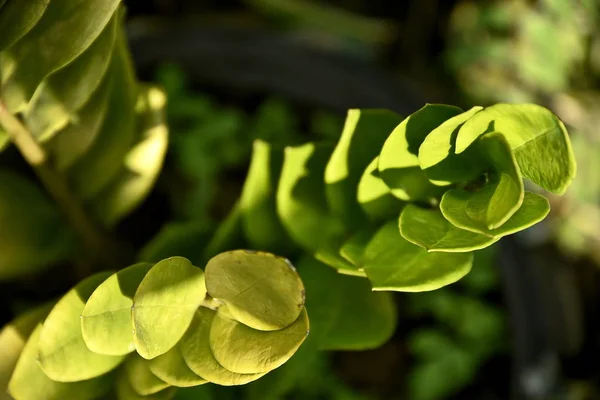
[(100, 248)]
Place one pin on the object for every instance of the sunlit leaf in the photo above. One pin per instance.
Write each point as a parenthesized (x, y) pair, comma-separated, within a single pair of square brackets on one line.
[(164, 305), (354, 248), (62, 352), (142, 380), (364, 133), (195, 347), (64, 92), (345, 313), (375, 197), (429, 229), (21, 75), (142, 163), (125, 391), (533, 209), (106, 323), (33, 235), (244, 350), (171, 368), (261, 290), (538, 138), (17, 18), (393, 263), (29, 382), (398, 160)]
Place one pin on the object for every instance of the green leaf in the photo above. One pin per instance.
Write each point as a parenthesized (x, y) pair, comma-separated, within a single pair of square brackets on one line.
[(33, 235), (533, 209), (436, 154), (364, 133), (17, 18), (244, 350), (228, 235), (171, 368), (177, 239), (375, 197), (491, 206), (142, 163), (103, 161), (538, 138), (13, 337), (302, 206), (64, 92), (106, 324), (62, 352), (398, 162), (393, 263), (195, 347), (142, 380), (354, 248), (21, 75), (262, 227), (260, 289), (345, 314), (164, 305), (125, 391), (429, 229), (29, 382)]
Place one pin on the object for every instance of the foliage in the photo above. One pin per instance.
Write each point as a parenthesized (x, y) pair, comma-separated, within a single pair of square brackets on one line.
[(230, 324), (404, 202)]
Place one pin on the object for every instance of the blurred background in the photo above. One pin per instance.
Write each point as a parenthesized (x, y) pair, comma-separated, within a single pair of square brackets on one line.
[(525, 323)]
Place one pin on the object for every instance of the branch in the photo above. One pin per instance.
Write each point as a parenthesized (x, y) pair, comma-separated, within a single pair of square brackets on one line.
[(101, 250)]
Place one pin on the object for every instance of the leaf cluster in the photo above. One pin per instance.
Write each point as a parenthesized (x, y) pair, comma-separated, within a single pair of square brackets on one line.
[(149, 328)]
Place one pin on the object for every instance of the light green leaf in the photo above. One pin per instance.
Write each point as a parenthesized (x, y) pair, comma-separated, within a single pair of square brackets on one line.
[(533, 209), (244, 350), (492, 205), (142, 380), (393, 263), (436, 154), (77, 138), (398, 161), (142, 163), (33, 235), (261, 290), (375, 197), (106, 324), (538, 138), (429, 229), (17, 18), (29, 382), (171, 368), (52, 45), (196, 351), (302, 206), (260, 222), (164, 305), (353, 248), (64, 92), (62, 352), (126, 392), (103, 161), (364, 133), (13, 337), (345, 314)]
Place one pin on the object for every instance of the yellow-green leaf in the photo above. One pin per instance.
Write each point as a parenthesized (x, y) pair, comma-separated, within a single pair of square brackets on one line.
[(171, 368), (17, 18), (125, 391), (375, 197), (142, 380)]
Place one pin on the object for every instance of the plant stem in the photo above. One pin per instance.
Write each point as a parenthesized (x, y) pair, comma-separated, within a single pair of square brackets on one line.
[(100, 248)]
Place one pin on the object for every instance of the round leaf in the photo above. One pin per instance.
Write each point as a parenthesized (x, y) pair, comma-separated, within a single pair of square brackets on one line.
[(126, 392), (247, 351), (375, 197), (63, 354), (393, 263), (106, 323), (429, 229), (142, 380), (196, 351), (260, 289), (533, 209), (29, 382), (171, 368), (164, 305)]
